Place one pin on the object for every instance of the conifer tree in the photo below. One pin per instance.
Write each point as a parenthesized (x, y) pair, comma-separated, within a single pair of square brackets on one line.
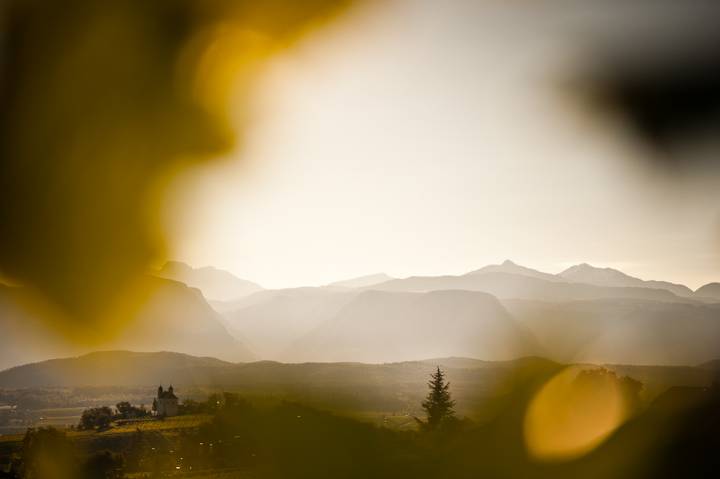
[(438, 404)]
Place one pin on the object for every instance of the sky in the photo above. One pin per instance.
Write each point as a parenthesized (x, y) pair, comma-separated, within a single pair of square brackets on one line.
[(425, 138)]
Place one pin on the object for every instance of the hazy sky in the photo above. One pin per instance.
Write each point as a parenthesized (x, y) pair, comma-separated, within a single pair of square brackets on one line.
[(420, 137)]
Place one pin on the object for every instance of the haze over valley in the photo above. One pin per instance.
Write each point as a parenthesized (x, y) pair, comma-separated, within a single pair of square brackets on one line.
[(495, 313), (268, 240)]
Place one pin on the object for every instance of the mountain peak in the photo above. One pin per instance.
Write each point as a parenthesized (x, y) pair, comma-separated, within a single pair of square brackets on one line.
[(584, 271), (175, 267), (589, 274), (587, 267), (710, 290), (510, 267)]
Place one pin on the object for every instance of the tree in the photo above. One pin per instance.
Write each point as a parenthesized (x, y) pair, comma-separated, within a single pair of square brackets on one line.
[(128, 411), (438, 404), (96, 417)]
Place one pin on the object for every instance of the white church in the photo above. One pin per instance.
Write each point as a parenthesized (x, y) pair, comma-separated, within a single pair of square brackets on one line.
[(166, 402)]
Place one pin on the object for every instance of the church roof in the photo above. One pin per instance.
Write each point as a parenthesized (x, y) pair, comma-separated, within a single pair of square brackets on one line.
[(169, 394)]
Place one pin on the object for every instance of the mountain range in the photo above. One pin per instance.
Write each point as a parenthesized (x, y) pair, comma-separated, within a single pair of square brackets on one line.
[(220, 286), (584, 273), (380, 326), (510, 280), (511, 286), (495, 313)]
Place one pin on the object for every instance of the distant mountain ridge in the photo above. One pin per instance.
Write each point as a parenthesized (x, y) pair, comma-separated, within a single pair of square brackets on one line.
[(321, 324), (507, 285), (225, 289), (585, 273), (495, 312), (215, 284), (112, 368), (404, 319), (363, 281), (622, 285), (512, 268), (382, 326), (131, 368), (710, 290)]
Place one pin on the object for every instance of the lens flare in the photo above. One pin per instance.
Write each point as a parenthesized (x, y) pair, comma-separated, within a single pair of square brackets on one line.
[(573, 413)]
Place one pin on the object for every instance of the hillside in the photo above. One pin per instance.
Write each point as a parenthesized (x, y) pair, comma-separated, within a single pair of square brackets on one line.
[(178, 318), (622, 331), (710, 290), (113, 368), (270, 321), (355, 388), (172, 317), (137, 369), (380, 326)]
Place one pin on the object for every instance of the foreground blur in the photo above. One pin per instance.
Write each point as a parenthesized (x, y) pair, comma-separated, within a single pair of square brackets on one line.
[(102, 105)]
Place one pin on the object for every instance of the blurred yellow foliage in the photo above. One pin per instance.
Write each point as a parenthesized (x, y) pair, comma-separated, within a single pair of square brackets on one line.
[(103, 103)]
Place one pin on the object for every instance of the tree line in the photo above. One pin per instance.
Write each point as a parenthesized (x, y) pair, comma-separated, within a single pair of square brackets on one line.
[(101, 417)]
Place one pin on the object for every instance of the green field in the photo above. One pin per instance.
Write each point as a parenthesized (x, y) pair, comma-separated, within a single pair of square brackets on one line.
[(167, 424)]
